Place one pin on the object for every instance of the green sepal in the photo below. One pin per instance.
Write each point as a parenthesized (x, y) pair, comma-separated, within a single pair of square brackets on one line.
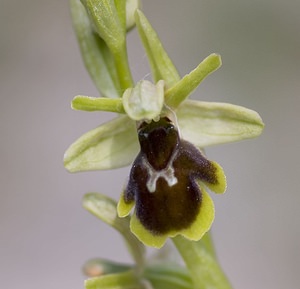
[(124, 280), (89, 103), (105, 209), (183, 88), (210, 123), (95, 53), (111, 145), (160, 63)]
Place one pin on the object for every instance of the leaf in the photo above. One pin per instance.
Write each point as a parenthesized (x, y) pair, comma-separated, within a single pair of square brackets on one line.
[(111, 145), (160, 63), (95, 53), (210, 123)]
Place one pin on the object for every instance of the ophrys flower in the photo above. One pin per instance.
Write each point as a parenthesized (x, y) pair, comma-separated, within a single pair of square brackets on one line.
[(169, 175)]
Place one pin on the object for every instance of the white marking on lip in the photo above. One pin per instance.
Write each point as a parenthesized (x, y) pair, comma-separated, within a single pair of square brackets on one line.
[(167, 173)]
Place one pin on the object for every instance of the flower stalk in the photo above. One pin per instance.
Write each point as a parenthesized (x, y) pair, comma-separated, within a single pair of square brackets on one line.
[(202, 264)]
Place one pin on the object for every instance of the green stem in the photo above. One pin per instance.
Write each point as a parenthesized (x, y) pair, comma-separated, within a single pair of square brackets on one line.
[(204, 268), (122, 67), (136, 249), (208, 243)]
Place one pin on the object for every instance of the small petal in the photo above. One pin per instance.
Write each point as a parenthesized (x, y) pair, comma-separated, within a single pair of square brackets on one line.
[(144, 101), (89, 103), (111, 145), (183, 88), (210, 123)]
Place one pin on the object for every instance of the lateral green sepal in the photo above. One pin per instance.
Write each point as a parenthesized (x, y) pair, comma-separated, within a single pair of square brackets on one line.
[(111, 145), (210, 123)]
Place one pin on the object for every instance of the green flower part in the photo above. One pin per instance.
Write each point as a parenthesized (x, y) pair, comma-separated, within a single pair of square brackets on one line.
[(164, 186)]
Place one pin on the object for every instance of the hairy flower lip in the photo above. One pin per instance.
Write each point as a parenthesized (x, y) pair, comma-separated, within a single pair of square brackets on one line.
[(168, 200)]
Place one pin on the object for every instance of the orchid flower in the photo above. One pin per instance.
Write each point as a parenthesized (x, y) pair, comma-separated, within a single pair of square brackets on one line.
[(164, 132), (161, 133)]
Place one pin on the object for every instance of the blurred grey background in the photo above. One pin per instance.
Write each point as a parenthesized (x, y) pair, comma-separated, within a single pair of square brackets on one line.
[(45, 235)]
